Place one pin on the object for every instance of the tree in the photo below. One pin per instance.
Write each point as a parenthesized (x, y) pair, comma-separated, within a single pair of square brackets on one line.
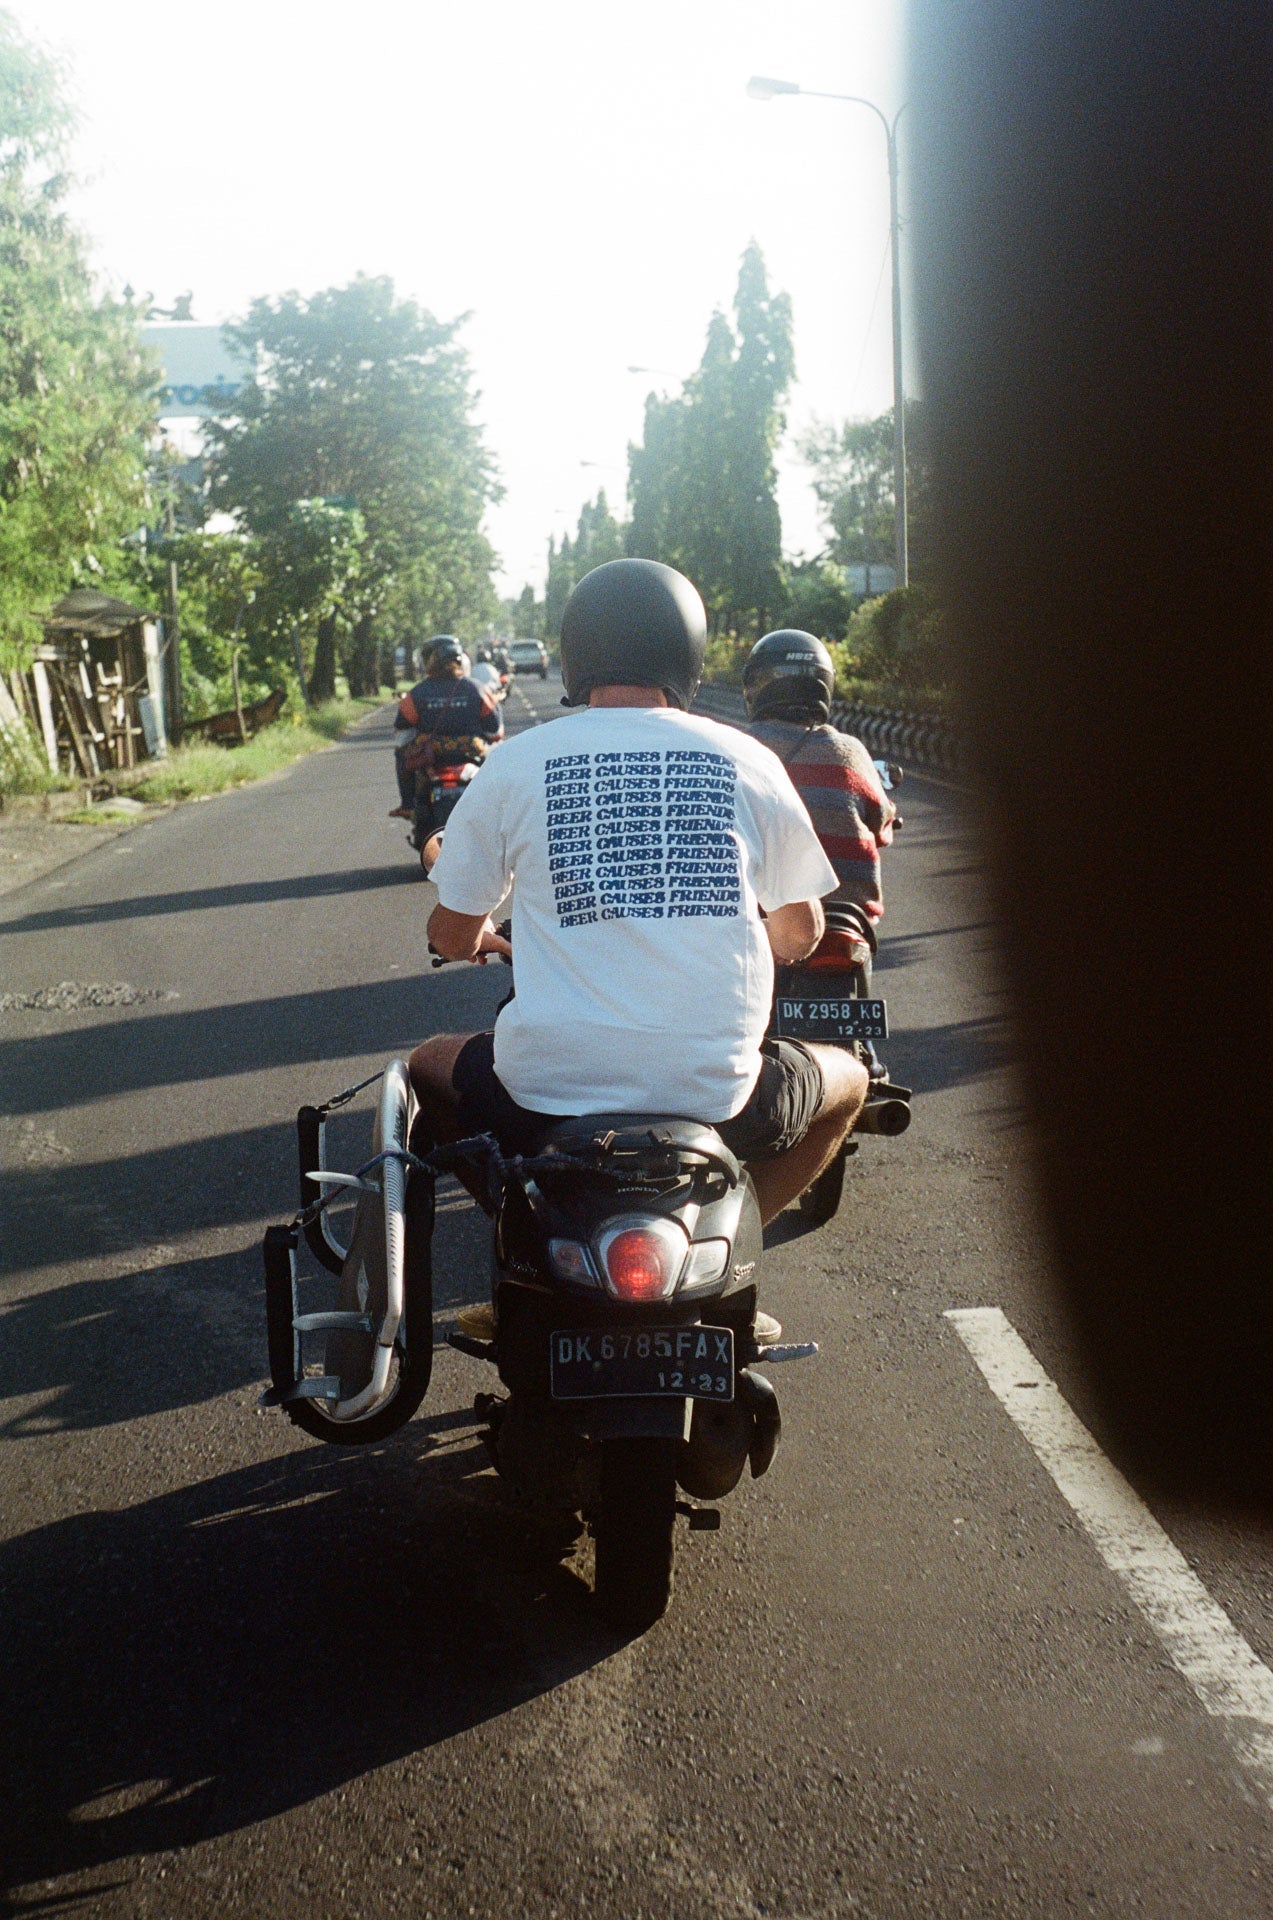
[(258, 593), (525, 615), (702, 484), (762, 374), (76, 390), (598, 538), (366, 400), (853, 479)]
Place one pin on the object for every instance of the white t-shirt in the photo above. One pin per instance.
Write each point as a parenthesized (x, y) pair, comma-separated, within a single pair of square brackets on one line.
[(641, 841)]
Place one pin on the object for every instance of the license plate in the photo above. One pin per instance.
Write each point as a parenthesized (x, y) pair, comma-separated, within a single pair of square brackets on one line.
[(694, 1363), (801, 1017)]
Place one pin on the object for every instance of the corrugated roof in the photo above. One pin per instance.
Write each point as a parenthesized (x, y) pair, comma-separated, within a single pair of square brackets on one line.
[(87, 611)]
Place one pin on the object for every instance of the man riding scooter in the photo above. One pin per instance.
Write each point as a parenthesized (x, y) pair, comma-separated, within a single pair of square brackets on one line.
[(663, 863), (788, 685), (452, 722)]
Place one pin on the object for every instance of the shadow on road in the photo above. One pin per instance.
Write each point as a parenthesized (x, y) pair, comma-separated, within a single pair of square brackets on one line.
[(241, 893), (98, 1352), (163, 1049), (910, 949), (79, 1210), (165, 1331), (221, 1654), (932, 1059)]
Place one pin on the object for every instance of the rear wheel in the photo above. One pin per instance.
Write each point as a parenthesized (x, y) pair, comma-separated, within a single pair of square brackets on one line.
[(634, 1532), (821, 1202)]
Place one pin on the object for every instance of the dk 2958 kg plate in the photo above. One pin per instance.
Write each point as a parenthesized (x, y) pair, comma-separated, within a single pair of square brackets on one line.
[(695, 1363), (833, 1017)]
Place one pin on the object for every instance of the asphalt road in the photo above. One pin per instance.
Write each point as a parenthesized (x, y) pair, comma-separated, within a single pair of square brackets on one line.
[(245, 1673)]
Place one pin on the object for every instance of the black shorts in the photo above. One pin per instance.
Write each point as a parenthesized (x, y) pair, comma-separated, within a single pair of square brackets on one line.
[(782, 1105)]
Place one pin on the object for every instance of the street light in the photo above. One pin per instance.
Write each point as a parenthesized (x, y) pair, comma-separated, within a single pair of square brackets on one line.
[(760, 87)]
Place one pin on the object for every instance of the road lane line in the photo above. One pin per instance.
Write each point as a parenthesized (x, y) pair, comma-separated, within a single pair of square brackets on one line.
[(1227, 1676)]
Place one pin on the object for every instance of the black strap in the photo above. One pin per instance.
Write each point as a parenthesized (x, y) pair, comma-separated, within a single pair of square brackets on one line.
[(799, 747)]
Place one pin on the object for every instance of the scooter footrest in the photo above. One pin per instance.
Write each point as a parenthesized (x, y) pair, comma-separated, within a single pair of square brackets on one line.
[(701, 1519), (795, 1350), (476, 1349), (325, 1388)]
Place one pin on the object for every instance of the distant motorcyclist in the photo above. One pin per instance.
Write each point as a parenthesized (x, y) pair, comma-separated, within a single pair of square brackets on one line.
[(788, 684), (450, 720)]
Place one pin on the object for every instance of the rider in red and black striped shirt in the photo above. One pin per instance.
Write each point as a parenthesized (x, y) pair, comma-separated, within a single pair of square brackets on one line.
[(788, 684)]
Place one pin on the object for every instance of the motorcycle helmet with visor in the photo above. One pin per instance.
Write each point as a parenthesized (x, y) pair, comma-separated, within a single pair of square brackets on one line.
[(633, 623), (789, 675), (444, 653)]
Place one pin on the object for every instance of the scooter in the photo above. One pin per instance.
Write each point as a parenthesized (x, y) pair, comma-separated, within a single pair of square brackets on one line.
[(827, 998), (623, 1332), (438, 792), (624, 1325)]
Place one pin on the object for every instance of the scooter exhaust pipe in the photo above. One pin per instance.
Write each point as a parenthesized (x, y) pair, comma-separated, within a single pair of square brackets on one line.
[(883, 1116)]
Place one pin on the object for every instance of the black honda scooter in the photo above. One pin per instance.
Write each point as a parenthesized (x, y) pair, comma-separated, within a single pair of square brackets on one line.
[(624, 1327)]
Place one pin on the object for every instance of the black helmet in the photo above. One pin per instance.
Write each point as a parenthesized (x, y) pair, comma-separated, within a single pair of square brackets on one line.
[(633, 623), (443, 651), (788, 672)]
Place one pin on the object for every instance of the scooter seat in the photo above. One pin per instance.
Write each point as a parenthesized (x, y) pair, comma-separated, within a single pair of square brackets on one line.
[(621, 1141)]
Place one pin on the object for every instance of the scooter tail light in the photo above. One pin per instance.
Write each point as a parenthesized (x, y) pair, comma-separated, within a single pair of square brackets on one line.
[(642, 1261), (837, 950)]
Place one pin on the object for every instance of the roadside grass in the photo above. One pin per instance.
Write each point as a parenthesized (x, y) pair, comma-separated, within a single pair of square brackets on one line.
[(23, 768), (193, 772)]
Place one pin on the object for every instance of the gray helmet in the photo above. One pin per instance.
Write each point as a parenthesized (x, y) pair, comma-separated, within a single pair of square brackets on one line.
[(788, 672), (633, 623), (442, 651)]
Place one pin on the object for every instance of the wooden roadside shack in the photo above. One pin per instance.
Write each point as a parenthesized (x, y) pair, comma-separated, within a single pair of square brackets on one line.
[(95, 689)]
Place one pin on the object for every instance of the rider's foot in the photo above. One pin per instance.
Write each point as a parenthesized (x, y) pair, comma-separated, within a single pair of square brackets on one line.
[(477, 1322), (402, 813), (767, 1330)]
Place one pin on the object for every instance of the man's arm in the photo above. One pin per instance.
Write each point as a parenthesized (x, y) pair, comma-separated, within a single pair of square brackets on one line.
[(465, 936), (795, 930)]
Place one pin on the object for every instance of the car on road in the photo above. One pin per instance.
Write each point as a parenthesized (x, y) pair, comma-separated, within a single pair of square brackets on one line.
[(529, 656)]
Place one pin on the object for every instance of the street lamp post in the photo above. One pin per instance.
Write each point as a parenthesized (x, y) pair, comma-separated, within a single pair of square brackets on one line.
[(761, 88)]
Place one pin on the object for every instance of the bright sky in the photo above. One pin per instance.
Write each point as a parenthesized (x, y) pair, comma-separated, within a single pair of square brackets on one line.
[(582, 178)]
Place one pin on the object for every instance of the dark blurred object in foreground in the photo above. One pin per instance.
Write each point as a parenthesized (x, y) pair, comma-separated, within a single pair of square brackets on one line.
[(1092, 187)]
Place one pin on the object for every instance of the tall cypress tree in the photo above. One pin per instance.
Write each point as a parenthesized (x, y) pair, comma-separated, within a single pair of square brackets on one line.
[(702, 483)]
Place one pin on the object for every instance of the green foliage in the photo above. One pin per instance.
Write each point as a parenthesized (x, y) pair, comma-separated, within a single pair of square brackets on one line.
[(364, 401), (702, 483), (900, 643), (35, 117), (524, 616), (23, 767), (255, 593), (76, 405), (819, 599), (853, 479), (598, 539)]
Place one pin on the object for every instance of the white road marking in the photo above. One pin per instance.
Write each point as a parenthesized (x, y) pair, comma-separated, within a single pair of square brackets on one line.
[(1231, 1682), (537, 718)]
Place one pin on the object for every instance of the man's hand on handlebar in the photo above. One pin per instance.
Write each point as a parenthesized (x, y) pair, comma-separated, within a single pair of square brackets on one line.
[(466, 936), (493, 944)]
